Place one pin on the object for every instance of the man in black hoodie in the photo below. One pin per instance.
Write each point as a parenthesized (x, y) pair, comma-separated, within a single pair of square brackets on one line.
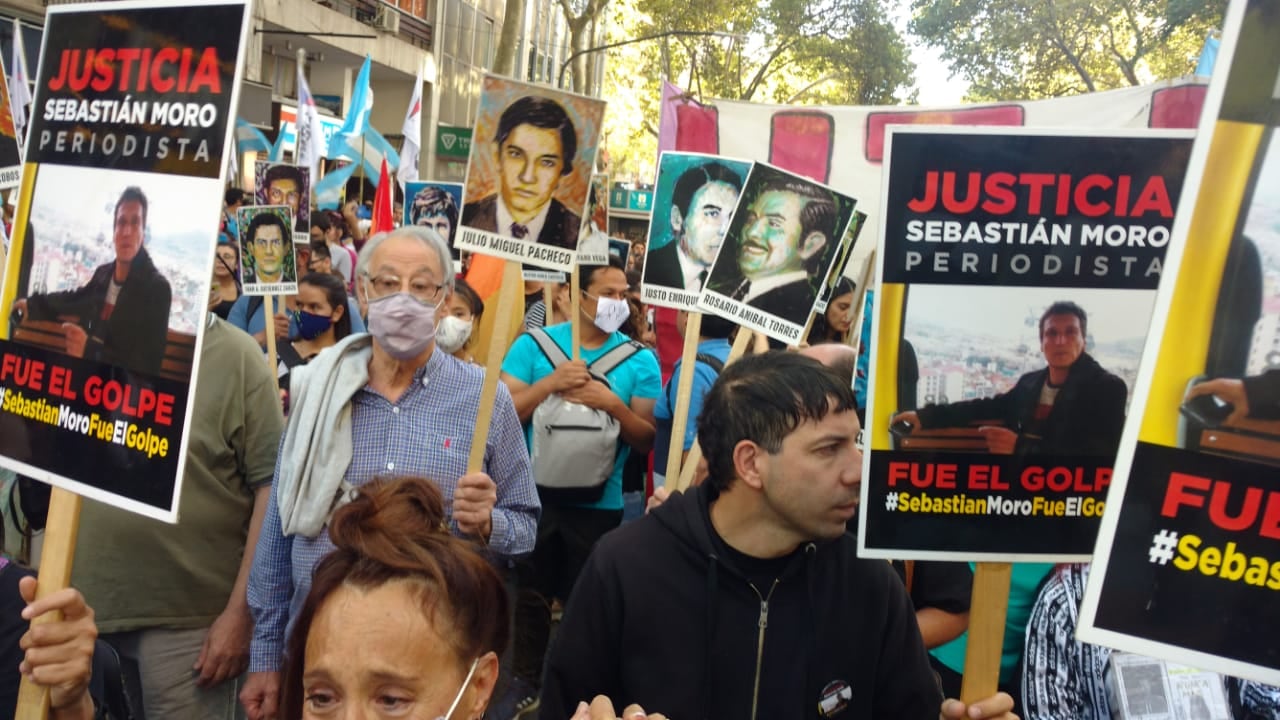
[(743, 598), (121, 316), (1071, 407)]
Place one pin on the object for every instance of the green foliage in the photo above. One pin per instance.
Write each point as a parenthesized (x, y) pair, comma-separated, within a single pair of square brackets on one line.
[(780, 51), (1015, 49)]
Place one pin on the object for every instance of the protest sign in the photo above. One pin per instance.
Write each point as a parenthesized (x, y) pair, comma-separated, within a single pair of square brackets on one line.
[(694, 199), (269, 262), (593, 238), (106, 287), (1017, 271), (281, 184), (782, 239), (529, 173), (10, 154), (434, 205), (1187, 565)]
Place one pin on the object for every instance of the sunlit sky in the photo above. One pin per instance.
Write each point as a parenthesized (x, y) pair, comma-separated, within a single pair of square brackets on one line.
[(931, 71)]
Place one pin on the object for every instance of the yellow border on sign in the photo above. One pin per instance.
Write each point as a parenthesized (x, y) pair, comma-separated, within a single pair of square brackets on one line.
[(1189, 325), (889, 303), (13, 266)]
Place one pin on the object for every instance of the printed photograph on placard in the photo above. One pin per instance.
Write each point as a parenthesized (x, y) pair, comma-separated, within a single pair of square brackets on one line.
[(281, 184), (529, 172), (619, 249), (10, 158), (692, 202), (434, 205), (268, 264), (593, 239), (106, 289), (778, 251), (1187, 562), (834, 310), (1018, 270)]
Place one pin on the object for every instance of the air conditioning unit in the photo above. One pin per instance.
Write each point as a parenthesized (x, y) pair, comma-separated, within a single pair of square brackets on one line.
[(387, 19)]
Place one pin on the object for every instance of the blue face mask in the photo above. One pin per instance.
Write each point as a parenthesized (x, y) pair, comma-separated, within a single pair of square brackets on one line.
[(310, 325)]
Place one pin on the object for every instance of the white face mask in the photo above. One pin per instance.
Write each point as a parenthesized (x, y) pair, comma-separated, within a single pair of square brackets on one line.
[(452, 333), (458, 698), (610, 313)]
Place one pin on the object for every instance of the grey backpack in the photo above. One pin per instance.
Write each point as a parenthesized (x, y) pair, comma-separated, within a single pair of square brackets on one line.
[(574, 446)]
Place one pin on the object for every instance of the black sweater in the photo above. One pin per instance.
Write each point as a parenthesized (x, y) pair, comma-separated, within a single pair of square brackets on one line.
[(659, 617)]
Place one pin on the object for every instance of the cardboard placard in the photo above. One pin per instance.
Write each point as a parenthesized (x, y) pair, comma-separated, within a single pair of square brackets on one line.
[(694, 199), (1187, 566), (434, 205), (529, 173), (269, 261), (782, 239), (1017, 271), (289, 185), (133, 101), (593, 236)]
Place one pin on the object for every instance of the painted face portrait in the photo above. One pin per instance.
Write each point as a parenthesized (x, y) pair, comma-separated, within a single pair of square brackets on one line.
[(705, 221), (284, 191), (771, 241), (268, 247), (531, 161)]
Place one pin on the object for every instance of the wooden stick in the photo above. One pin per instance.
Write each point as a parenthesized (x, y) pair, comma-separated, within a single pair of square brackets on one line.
[(690, 466), (860, 295), (511, 279), (55, 574), (575, 322), (988, 607), (269, 315), (548, 299), (684, 389)]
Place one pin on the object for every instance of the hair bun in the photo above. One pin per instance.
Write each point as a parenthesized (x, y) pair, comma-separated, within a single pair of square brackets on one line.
[(389, 519)]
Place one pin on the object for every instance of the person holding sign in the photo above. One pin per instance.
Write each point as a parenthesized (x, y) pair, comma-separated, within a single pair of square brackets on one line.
[(748, 584), (58, 657), (122, 314), (1072, 407), (577, 510), (374, 404), (535, 146)]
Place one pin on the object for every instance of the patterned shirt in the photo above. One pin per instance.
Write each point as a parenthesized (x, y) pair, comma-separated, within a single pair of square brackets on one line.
[(426, 433)]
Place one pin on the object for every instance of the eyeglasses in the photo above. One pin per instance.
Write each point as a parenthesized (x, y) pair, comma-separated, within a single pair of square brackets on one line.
[(422, 290)]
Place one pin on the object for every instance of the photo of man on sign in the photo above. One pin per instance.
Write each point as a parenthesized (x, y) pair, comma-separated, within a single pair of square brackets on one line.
[(121, 315), (1071, 406), (529, 173), (780, 245)]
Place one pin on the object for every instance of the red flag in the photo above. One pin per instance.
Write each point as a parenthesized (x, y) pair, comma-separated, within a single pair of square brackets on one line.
[(382, 217)]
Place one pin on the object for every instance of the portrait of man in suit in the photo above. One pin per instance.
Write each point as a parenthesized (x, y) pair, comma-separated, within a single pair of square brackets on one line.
[(702, 202), (784, 245), (534, 146)]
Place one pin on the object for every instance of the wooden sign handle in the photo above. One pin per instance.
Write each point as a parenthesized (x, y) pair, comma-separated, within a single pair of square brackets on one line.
[(511, 279), (988, 607), (684, 388), (690, 466), (55, 574), (269, 315), (575, 322)]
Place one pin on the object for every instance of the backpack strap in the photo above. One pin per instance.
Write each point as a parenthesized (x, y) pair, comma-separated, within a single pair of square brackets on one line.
[(548, 346), (254, 305), (606, 363), (711, 361)]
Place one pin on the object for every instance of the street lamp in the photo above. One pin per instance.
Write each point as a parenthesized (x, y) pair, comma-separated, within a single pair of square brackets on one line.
[(645, 38)]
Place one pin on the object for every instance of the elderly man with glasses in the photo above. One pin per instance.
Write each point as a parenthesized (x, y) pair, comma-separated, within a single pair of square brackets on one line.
[(382, 404)]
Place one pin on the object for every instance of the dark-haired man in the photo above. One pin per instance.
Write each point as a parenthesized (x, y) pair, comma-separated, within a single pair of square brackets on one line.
[(743, 598), (122, 313), (284, 185), (534, 148), (268, 241), (1071, 407), (789, 230), (701, 203)]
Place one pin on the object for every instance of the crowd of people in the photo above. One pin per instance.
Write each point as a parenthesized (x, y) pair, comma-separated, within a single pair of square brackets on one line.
[(337, 556)]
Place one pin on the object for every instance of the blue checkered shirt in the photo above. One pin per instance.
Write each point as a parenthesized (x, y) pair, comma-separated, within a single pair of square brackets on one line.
[(426, 433)]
